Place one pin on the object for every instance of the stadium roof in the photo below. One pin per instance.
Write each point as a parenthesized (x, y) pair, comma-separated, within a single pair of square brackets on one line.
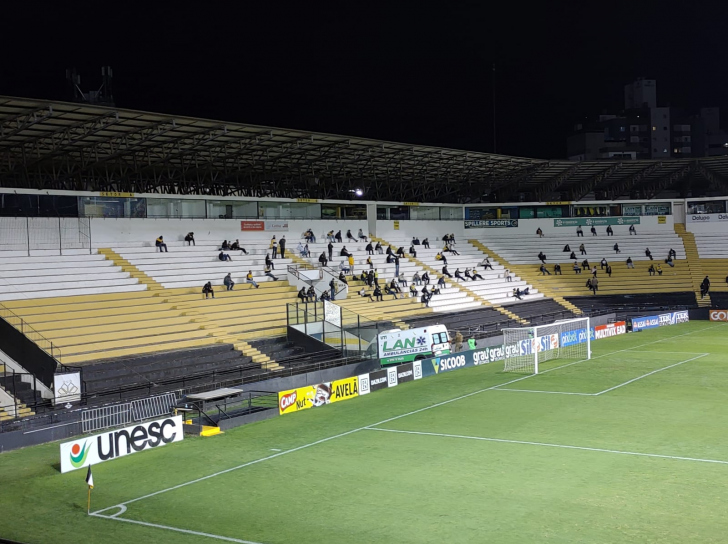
[(69, 146)]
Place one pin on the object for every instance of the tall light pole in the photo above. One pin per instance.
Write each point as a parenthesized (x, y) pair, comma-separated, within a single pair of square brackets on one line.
[(495, 147)]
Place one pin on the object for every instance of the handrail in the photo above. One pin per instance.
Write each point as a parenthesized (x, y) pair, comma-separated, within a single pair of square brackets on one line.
[(37, 338)]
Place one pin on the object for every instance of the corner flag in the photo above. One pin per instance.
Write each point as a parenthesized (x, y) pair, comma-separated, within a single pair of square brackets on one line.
[(90, 478)]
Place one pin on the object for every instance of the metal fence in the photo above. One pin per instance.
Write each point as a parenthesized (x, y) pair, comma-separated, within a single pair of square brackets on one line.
[(32, 235), (97, 419)]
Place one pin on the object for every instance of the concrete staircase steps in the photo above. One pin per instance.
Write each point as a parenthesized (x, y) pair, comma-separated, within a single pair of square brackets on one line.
[(694, 264)]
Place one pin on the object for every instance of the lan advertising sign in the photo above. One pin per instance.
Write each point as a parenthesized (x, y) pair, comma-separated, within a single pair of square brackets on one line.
[(91, 450)]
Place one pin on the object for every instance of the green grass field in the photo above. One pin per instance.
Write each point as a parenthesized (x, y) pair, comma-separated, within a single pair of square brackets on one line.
[(631, 446)]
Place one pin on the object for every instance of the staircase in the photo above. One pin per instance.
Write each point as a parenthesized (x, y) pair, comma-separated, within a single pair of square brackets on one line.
[(530, 277), (133, 271), (693, 258)]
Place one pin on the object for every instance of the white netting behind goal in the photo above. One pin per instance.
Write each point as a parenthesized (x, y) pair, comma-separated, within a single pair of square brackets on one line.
[(526, 347)]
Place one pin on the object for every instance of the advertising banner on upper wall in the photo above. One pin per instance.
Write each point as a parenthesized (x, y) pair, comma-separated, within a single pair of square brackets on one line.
[(109, 445), (252, 225), (596, 221), (706, 217), (490, 223)]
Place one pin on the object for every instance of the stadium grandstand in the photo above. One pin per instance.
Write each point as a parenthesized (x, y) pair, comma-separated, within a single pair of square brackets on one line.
[(112, 221)]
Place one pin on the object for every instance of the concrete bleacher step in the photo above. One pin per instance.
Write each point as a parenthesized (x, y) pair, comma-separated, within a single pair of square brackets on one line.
[(696, 270), (133, 271)]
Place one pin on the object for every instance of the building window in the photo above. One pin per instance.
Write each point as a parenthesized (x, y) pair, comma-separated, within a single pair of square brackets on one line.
[(654, 128)]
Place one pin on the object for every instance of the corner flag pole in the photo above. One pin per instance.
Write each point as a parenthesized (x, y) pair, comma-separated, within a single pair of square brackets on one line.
[(90, 483)]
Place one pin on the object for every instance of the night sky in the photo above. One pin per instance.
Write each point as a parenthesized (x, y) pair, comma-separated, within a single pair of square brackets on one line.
[(409, 73)]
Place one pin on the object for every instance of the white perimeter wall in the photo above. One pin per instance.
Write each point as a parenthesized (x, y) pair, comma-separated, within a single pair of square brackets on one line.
[(105, 232), (528, 226), (434, 230)]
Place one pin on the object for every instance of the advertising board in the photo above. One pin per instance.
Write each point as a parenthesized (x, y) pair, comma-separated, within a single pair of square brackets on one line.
[(706, 217), (91, 450), (303, 398), (661, 320), (345, 389), (596, 221), (718, 315), (252, 225), (490, 223), (609, 330)]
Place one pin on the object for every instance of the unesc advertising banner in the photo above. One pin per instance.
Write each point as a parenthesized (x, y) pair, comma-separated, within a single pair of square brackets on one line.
[(91, 450)]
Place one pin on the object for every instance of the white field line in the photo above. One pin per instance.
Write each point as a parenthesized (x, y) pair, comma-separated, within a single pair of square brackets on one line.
[(547, 444), (122, 505), (606, 390), (649, 374), (549, 392)]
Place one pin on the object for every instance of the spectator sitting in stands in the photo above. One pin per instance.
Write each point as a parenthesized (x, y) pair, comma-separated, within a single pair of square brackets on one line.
[(306, 252), (370, 262), (517, 293), (311, 293), (609, 270), (603, 263), (648, 253), (402, 280), (190, 239), (425, 298), (224, 256), (440, 284), (337, 237), (344, 266), (394, 287), (267, 272), (330, 236), (269, 262), (400, 252), (544, 270), (651, 270), (585, 264), (659, 270), (610, 232), (567, 248), (579, 232), (632, 230), (671, 254), (236, 246), (415, 241), (507, 275), (474, 276), (416, 279), (445, 272), (225, 246), (630, 264), (299, 248), (361, 236), (441, 257), (412, 251), (344, 252), (557, 269), (594, 271), (342, 278), (413, 290), (325, 295), (669, 262), (588, 284), (485, 263), (426, 278), (207, 290), (322, 259), (369, 249), (370, 278), (389, 259), (541, 256), (378, 294), (309, 236), (572, 256), (582, 249), (378, 248), (426, 243), (450, 249), (160, 244), (539, 232), (349, 236), (302, 295), (526, 291), (458, 275), (616, 249), (228, 282), (363, 293), (577, 268), (363, 276), (389, 250), (249, 279), (593, 231)]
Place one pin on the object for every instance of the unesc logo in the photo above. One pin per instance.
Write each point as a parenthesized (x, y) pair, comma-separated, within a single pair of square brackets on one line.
[(78, 454), (719, 315)]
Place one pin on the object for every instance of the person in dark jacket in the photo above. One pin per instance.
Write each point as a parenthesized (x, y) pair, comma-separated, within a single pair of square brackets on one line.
[(207, 290), (228, 282), (190, 239)]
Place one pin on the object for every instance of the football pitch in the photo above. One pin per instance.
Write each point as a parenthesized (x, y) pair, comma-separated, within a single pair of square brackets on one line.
[(630, 446)]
